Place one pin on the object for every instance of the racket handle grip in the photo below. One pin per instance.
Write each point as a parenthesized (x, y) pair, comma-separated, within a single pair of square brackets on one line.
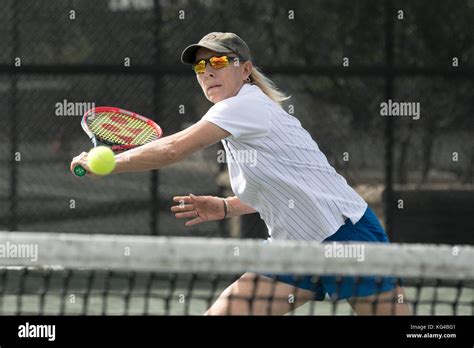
[(79, 171)]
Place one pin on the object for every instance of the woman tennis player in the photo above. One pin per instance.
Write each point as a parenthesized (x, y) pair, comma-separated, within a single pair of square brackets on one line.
[(297, 192)]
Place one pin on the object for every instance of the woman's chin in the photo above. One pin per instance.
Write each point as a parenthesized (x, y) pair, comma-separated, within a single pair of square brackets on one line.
[(215, 98)]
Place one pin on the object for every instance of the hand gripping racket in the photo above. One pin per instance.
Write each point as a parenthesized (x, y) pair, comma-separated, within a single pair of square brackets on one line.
[(118, 129)]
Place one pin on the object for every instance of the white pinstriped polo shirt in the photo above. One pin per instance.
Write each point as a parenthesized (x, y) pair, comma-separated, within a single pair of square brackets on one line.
[(277, 168)]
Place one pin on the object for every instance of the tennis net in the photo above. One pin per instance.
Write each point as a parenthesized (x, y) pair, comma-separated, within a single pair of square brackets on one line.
[(70, 274)]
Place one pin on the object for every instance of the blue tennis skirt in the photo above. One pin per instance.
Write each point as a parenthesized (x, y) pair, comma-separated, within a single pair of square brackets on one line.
[(367, 229)]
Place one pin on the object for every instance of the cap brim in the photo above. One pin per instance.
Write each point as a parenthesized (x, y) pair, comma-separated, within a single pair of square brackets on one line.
[(188, 56)]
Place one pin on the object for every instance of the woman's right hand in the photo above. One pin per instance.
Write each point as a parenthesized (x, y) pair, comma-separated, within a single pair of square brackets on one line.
[(198, 208), (82, 161)]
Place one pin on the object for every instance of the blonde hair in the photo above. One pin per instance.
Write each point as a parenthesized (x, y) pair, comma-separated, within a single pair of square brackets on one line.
[(267, 86)]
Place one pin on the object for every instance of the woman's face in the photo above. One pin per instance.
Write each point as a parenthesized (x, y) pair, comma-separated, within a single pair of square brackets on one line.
[(220, 84)]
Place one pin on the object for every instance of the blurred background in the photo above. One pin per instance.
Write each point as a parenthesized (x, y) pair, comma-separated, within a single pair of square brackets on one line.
[(338, 60)]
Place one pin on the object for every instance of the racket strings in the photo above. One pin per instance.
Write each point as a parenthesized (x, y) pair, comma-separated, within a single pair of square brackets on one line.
[(105, 128), (121, 129)]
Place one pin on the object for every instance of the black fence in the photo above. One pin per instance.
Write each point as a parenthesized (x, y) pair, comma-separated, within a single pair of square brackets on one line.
[(338, 60)]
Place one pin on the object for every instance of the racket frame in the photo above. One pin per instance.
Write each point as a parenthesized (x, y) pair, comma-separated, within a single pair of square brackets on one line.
[(115, 148)]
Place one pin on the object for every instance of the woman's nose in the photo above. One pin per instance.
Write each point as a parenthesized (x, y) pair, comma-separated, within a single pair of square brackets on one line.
[(209, 72)]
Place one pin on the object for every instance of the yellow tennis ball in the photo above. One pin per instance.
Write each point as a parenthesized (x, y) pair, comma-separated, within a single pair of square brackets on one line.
[(101, 160)]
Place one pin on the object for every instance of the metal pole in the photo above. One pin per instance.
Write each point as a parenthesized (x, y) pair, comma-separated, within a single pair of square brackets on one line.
[(12, 195), (154, 175), (389, 143)]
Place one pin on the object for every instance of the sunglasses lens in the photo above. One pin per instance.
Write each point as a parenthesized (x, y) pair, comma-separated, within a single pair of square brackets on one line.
[(219, 62), (216, 63), (200, 67)]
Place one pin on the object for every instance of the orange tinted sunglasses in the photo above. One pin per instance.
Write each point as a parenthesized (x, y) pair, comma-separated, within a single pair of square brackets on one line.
[(216, 62)]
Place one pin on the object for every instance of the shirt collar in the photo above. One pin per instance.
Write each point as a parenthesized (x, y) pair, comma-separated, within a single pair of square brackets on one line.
[(246, 87)]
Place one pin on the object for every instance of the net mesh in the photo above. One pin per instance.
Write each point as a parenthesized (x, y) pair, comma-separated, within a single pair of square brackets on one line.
[(65, 274)]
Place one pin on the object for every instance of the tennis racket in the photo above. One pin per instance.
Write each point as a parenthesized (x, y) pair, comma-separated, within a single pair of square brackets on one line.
[(118, 129)]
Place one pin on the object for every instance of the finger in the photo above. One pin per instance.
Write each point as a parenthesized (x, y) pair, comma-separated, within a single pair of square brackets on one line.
[(185, 199), (182, 201), (81, 160), (83, 164), (197, 199), (181, 208), (81, 156), (186, 215), (193, 222), (74, 164)]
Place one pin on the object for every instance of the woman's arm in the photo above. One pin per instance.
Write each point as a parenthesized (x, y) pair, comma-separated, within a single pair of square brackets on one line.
[(207, 208), (236, 207), (170, 149)]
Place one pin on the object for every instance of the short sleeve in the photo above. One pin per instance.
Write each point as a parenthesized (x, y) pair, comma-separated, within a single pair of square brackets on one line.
[(244, 116)]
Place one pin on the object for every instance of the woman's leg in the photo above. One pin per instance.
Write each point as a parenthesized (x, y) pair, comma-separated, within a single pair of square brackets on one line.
[(253, 294), (385, 303)]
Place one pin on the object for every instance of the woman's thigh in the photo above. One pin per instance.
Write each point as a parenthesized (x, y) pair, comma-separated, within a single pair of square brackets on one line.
[(385, 303), (253, 294)]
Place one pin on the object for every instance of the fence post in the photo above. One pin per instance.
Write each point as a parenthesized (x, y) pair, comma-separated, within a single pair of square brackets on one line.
[(155, 174), (388, 194), (12, 195)]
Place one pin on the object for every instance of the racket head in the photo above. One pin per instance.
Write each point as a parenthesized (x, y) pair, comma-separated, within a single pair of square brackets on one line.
[(118, 128)]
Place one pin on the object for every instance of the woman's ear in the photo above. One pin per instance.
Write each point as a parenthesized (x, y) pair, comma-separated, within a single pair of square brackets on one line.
[(248, 68)]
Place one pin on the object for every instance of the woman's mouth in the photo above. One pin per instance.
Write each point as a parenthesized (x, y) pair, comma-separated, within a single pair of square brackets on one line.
[(212, 87)]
